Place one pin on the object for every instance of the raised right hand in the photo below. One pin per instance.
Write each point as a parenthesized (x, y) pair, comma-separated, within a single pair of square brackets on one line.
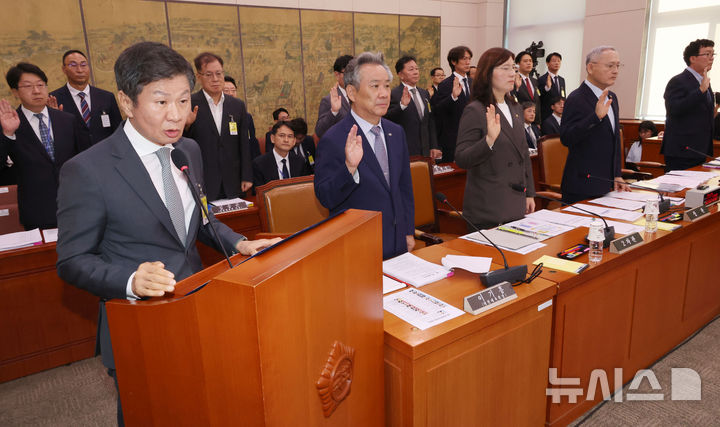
[(705, 83), (152, 280), (353, 150), (493, 125), (9, 119), (405, 100), (603, 105), (549, 81), (457, 87), (335, 101), (52, 103)]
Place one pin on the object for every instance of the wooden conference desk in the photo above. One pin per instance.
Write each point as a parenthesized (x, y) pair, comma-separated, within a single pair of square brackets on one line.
[(651, 149)]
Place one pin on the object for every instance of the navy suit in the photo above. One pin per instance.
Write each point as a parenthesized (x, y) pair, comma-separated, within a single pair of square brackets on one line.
[(521, 94), (111, 219), (534, 129), (593, 146), (265, 169), (688, 122), (226, 158), (550, 126), (101, 102), (337, 191), (546, 96), (421, 135), (37, 174), (448, 113), (326, 119)]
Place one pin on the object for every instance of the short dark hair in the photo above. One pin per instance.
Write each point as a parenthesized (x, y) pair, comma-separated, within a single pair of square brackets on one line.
[(527, 104), (280, 124), (70, 52), (341, 62), (456, 55), (432, 72), (555, 99), (693, 49), (15, 73), (520, 55), (299, 126), (400, 64), (648, 125), (206, 58), (277, 112), (147, 62), (231, 80), (550, 56), (482, 85)]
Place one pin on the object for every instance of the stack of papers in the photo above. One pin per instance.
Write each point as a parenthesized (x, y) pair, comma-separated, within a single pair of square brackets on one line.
[(419, 309), (390, 284), (50, 235), (630, 205), (21, 239), (508, 241), (583, 221), (605, 212), (413, 270), (473, 264)]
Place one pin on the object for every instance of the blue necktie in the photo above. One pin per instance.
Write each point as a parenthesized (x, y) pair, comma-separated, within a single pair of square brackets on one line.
[(381, 152), (45, 137), (85, 109), (285, 172)]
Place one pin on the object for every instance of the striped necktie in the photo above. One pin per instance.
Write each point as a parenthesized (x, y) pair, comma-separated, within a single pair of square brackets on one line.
[(45, 137), (84, 108), (173, 202)]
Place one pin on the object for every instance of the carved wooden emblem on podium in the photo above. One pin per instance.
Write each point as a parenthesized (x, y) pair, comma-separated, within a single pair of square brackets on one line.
[(336, 377)]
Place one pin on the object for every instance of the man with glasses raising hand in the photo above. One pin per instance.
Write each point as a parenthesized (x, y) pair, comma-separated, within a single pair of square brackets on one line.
[(690, 109), (96, 108), (39, 140)]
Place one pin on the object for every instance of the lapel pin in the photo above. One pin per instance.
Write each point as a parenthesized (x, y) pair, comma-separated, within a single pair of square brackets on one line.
[(389, 134)]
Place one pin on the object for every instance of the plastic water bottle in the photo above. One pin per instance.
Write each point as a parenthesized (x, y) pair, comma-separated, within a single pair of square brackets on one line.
[(596, 237), (651, 215)]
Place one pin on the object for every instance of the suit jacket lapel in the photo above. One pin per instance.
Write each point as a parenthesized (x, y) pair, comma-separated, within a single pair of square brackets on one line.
[(72, 105), (509, 131), (204, 110), (369, 156), (34, 142), (133, 171)]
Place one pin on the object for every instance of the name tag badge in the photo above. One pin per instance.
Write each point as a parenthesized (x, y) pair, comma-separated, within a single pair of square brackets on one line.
[(233, 128), (562, 93), (105, 120), (311, 160)]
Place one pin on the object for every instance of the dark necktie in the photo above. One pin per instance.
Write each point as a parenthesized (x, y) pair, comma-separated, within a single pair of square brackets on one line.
[(285, 172), (85, 109), (45, 137), (418, 104), (173, 202), (531, 134), (467, 88), (381, 152)]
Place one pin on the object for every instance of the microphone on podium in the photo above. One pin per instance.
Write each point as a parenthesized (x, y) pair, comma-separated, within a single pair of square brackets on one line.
[(707, 156), (491, 278), (180, 161), (664, 204)]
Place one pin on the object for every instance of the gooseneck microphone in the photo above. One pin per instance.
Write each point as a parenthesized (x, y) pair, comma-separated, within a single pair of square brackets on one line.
[(608, 231), (707, 156), (664, 204), (491, 278), (180, 161)]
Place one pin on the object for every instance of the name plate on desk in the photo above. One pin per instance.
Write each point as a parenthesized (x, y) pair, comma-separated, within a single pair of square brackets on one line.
[(695, 214), (625, 243), (489, 298)]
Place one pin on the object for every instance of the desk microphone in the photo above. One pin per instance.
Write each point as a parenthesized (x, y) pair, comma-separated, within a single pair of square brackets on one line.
[(491, 278), (181, 162), (707, 156), (664, 204), (609, 231)]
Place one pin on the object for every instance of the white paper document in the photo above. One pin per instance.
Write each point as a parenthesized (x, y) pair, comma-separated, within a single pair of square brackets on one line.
[(629, 205), (50, 235), (538, 227), (694, 174), (390, 284), (640, 196), (419, 309), (473, 264), (21, 239), (584, 221), (526, 249), (605, 212), (411, 269)]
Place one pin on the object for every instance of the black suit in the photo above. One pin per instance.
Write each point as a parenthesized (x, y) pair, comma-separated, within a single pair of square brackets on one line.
[(420, 134), (37, 174), (546, 96), (448, 113), (101, 102), (307, 147), (593, 146), (522, 95), (326, 119), (226, 157), (265, 169), (688, 122), (254, 143), (550, 126), (534, 129)]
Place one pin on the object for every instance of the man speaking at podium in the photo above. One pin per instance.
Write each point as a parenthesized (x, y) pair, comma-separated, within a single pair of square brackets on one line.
[(363, 162), (126, 216)]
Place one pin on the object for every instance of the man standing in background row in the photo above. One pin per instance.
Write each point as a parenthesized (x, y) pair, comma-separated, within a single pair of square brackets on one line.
[(334, 106), (96, 108), (690, 109), (218, 124), (551, 84)]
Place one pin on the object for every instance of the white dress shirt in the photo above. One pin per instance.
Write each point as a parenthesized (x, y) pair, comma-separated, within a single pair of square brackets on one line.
[(365, 127), (216, 110), (505, 109), (35, 122), (414, 97), (74, 92), (598, 92), (279, 165)]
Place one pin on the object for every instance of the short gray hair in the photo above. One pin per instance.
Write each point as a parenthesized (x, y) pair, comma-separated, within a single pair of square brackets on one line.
[(593, 55), (352, 70)]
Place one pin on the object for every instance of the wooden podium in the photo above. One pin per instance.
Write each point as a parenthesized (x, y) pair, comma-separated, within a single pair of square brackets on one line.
[(293, 336)]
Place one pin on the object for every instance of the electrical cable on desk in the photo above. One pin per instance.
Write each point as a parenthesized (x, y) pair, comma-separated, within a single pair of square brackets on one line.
[(535, 273)]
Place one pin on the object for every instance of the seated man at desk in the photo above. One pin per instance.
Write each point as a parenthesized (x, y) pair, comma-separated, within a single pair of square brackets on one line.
[(281, 162), (127, 221)]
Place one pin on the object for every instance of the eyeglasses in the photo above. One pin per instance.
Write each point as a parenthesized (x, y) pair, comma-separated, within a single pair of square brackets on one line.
[(285, 135), (507, 68), (710, 55), (38, 86), (209, 74), (615, 66), (74, 64)]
